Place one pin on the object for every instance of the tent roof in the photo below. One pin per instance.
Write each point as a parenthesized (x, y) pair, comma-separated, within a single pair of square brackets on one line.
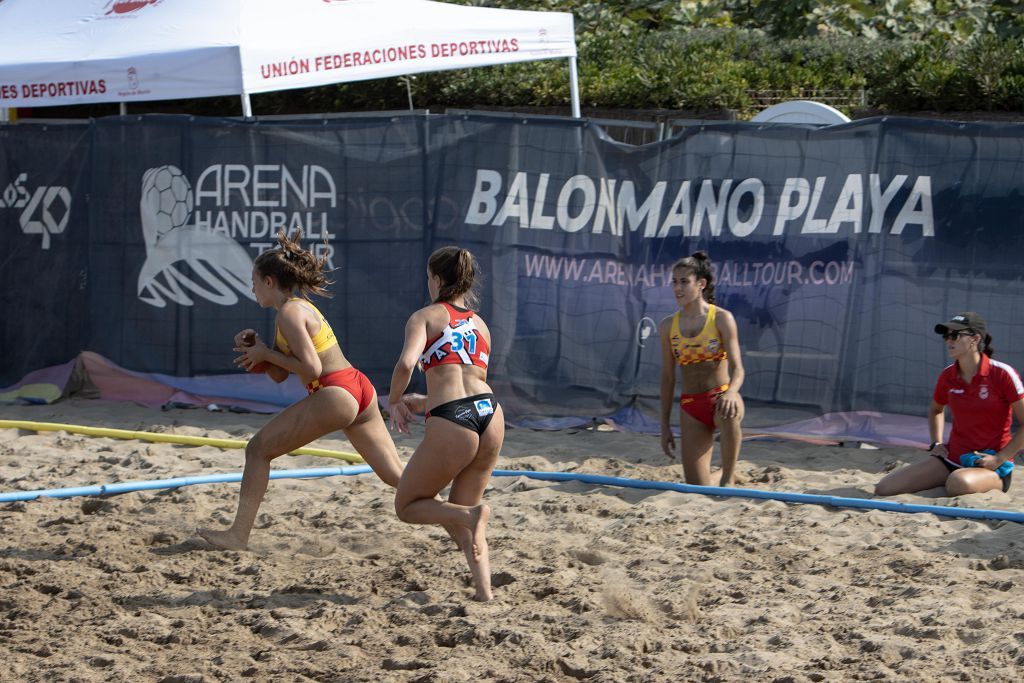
[(80, 51)]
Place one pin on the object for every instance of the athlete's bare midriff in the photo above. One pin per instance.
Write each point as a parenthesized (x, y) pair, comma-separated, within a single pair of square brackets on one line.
[(700, 377), (447, 383), (331, 360)]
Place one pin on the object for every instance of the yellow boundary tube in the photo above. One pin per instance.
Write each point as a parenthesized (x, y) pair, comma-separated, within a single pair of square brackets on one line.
[(181, 439)]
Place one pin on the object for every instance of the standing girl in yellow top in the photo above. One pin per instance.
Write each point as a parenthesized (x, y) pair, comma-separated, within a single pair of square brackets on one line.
[(701, 340), (340, 397)]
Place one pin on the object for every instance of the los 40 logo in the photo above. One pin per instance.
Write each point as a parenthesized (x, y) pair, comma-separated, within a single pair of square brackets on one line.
[(44, 210)]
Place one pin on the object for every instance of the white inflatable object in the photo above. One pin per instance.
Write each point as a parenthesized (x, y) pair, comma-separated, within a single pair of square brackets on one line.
[(802, 111)]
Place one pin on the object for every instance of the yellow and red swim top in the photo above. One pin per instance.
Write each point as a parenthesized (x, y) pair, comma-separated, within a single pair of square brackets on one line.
[(706, 346), (322, 340)]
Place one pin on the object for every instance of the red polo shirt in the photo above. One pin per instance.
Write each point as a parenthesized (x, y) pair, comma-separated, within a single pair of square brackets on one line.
[(981, 410)]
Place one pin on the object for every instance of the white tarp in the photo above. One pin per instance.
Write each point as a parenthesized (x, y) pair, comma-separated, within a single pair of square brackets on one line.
[(61, 52)]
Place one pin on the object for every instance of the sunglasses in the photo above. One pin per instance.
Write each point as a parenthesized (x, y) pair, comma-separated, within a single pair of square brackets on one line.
[(953, 335)]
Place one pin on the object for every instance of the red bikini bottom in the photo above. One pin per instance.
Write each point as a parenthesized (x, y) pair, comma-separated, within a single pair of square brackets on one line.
[(349, 379), (702, 406)]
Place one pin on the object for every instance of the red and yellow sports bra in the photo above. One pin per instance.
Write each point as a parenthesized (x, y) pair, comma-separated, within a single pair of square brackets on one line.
[(460, 342), (706, 346), (322, 340)]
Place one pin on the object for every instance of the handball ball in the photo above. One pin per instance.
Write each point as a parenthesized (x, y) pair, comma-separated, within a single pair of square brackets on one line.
[(248, 339), (169, 196)]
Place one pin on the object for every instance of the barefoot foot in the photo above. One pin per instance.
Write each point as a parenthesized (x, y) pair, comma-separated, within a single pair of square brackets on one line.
[(481, 513), (477, 555), (733, 479), (224, 540)]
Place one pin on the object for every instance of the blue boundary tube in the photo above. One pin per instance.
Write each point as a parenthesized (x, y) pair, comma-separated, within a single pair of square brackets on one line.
[(804, 498), (129, 486), (594, 479)]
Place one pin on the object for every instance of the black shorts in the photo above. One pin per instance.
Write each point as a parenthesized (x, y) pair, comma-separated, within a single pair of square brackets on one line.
[(953, 468), (473, 412)]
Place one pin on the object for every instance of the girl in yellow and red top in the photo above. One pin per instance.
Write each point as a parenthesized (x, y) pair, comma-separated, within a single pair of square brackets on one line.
[(465, 425), (339, 396), (700, 339), (983, 396)]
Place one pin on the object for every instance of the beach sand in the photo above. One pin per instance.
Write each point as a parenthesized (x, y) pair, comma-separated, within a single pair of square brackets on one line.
[(591, 583)]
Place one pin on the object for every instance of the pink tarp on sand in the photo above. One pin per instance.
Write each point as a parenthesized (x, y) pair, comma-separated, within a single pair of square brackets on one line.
[(92, 371), (258, 394), (154, 390)]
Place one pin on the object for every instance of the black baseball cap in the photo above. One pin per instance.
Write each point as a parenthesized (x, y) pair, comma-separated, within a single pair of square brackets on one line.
[(964, 321)]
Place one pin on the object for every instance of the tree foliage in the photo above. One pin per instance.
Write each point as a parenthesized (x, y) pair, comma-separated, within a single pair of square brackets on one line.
[(957, 20), (901, 55)]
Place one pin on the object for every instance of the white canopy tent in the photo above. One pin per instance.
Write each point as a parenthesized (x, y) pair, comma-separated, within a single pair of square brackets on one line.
[(63, 52)]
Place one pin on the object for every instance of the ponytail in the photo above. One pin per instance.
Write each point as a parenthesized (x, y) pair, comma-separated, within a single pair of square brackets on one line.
[(294, 267), (458, 272), (986, 345)]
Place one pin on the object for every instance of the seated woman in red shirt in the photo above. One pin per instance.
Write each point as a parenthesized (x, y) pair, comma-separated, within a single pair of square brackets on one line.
[(983, 396)]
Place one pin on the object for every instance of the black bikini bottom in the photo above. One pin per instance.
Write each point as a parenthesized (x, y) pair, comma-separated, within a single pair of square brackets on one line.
[(473, 412)]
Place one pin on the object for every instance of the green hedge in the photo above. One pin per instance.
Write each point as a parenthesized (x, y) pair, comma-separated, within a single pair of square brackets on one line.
[(708, 69)]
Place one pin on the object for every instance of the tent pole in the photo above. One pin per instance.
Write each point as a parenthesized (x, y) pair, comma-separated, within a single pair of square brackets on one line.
[(123, 108), (574, 88), (246, 106), (4, 116)]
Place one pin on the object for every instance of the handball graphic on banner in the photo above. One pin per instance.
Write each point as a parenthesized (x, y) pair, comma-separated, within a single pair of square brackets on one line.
[(43, 210), (201, 241)]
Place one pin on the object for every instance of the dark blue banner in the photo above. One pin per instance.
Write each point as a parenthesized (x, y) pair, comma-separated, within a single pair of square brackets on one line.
[(836, 249), (44, 237)]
